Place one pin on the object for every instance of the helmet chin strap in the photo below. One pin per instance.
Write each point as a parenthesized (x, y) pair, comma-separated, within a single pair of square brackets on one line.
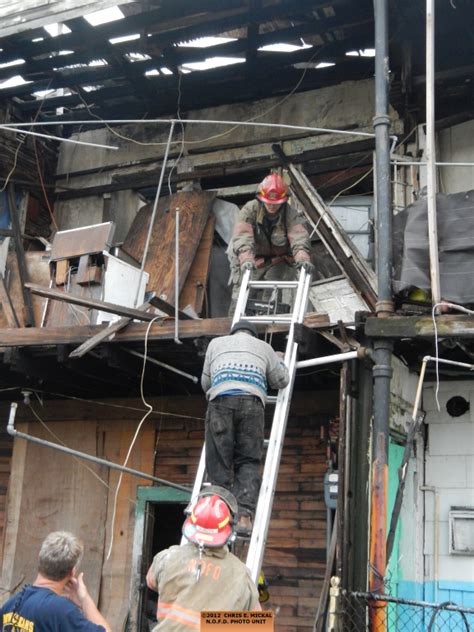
[(198, 567)]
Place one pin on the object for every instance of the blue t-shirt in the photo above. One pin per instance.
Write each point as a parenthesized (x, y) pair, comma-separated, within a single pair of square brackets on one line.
[(42, 610)]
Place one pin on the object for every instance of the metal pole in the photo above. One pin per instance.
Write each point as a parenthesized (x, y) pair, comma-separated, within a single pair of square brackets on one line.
[(382, 161), (193, 378), (382, 371), (338, 357), (176, 282), (82, 455), (431, 152), (153, 213)]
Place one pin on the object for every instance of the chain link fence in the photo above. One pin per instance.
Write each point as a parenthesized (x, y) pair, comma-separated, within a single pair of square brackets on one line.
[(359, 611)]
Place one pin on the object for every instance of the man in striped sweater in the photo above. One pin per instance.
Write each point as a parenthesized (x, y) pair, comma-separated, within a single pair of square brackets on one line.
[(237, 370)]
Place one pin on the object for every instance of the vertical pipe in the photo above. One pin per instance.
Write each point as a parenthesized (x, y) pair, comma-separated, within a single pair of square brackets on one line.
[(176, 281), (431, 152), (341, 462), (382, 371), (382, 160)]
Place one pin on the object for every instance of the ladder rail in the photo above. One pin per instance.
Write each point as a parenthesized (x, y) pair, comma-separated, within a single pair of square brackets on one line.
[(197, 481), (239, 308), (272, 462), (242, 298), (280, 416)]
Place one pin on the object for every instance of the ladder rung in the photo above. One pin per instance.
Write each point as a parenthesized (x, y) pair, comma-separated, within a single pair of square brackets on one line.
[(280, 285), (269, 318), (271, 399)]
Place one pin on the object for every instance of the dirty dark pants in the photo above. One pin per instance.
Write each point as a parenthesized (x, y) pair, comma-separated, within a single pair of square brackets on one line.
[(234, 444)]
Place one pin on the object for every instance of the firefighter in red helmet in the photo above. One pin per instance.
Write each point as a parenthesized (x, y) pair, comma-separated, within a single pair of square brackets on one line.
[(269, 237), (201, 574)]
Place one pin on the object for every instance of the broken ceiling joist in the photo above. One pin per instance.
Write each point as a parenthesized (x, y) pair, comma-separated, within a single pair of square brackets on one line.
[(103, 306)]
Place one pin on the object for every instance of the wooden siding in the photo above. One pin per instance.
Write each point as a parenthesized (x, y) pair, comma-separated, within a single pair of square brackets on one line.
[(72, 498)]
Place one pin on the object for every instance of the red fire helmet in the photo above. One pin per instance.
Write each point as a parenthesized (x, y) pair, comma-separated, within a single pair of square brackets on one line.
[(272, 190), (210, 522)]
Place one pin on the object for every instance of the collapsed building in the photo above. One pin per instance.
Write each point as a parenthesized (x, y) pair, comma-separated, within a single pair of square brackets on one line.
[(114, 225)]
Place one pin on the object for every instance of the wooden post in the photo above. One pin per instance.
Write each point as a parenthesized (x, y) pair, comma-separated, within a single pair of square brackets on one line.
[(20, 255)]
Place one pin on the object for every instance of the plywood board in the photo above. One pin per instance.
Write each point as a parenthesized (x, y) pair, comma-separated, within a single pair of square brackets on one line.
[(52, 491), (194, 289), (194, 207), (115, 588)]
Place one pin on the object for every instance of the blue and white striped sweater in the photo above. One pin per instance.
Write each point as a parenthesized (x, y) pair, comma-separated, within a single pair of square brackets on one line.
[(247, 375), (242, 363)]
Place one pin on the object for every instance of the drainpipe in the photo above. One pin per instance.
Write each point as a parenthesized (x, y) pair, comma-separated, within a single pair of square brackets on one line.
[(382, 371)]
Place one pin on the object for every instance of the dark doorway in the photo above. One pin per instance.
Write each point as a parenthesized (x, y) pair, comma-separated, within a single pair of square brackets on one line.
[(162, 530)]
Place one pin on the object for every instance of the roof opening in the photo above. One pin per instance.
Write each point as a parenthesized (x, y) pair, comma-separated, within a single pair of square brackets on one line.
[(105, 15), (15, 62), (284, 48), (214, 62), (206, 42), (124, 38), (57, 28)]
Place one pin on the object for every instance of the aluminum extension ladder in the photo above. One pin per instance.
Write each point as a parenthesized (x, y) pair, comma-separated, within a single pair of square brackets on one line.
[(282, 406)]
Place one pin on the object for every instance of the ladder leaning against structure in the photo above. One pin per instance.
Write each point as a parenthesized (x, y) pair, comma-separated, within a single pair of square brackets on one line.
[(282, 405)]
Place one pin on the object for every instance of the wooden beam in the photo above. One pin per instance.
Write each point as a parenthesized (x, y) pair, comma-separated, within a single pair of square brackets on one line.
[(20, 255), (111, 308), (174, 22), (50, 67), (448, 326), (228, 81), (135, 332)]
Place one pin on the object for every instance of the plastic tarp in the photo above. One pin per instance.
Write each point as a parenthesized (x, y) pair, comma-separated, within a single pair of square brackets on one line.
[(455, 219)]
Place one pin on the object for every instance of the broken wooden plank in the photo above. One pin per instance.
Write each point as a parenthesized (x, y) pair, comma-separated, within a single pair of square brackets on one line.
[(105, 334), (20, 255), (168, 309), (194, 290), (194, 209), (110, 308), (332, 234), (62, 270)]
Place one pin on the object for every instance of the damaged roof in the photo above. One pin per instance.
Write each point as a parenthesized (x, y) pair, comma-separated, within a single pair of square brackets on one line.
[(153, 55), (156, 57)]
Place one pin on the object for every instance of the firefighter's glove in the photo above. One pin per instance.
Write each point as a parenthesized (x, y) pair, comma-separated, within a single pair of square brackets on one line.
[(307, 266), (248, 265)]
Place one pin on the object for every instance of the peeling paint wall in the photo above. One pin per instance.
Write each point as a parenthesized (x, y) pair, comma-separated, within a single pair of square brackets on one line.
[(440, 476), (455, 145)]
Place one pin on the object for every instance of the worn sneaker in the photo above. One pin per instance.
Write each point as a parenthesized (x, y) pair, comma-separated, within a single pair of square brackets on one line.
[(244, 525)]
